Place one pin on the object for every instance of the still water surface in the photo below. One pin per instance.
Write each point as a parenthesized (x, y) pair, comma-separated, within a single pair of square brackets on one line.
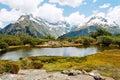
[(64, 51)]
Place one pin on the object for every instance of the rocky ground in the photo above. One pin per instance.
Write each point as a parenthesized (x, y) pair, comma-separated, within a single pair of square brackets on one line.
[(44, 75)]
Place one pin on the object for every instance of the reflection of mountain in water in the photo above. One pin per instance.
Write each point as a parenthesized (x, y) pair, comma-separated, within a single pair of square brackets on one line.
[(64, 51)]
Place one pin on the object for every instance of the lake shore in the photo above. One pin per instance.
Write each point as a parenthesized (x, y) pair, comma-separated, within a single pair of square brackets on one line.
[(54, 44), (46, 45), (107, 62)]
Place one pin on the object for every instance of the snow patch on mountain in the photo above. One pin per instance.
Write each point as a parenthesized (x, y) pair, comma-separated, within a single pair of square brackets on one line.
[(98, 21)]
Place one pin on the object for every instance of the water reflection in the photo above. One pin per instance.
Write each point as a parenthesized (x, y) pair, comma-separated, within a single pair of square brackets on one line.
[(64, 51)]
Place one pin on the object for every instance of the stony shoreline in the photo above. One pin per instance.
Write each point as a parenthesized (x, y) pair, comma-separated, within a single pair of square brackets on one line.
[(34, 74), (45, 45)]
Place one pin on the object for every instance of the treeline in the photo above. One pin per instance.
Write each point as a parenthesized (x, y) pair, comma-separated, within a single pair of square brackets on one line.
[(100, 37), (14, 40)]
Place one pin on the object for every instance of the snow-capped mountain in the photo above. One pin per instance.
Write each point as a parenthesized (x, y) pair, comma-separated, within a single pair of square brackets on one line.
[(37, 27), (56, 25), (92, 25), (99, 22)]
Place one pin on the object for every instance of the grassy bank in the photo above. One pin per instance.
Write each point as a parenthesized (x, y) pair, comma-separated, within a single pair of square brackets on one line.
[(13, 41), (107, 62), (44, 46)]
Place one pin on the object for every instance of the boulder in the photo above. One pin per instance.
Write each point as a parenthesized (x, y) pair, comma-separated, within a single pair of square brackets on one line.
[(96, 75), (84, 72), (71, 72), (65, 72)]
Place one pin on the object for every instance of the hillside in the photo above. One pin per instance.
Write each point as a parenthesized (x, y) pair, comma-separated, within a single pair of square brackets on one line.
[(92, 25), (36, 27)]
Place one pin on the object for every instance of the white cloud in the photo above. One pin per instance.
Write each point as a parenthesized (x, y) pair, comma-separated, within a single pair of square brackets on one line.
[(23, 5), (49, 12), (1, 25), (72, 3), (9, 16), (114, 14), (107, 5), (99, 14), (76, 18), (94, 1)]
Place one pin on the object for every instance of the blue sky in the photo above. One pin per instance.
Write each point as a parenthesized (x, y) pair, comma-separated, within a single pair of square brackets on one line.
[(90, 7), (74, 11)]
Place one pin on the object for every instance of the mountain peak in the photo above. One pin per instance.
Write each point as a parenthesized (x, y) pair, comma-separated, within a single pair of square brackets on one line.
[(98, 18), (38, 27), (25, 17)]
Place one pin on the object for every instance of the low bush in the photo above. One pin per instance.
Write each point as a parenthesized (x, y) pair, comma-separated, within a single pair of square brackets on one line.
[(79, 40), (87, 41), (9, 67), (104, 40), (3, 45), (26, 63), (116, 41), (31, 64), (37, 64)]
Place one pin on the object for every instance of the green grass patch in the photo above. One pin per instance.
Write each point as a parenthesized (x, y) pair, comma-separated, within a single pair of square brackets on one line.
[(107, 62)]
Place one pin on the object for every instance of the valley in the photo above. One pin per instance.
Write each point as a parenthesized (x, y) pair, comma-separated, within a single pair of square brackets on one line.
[(59, 39), (34, 43), (27, 52)]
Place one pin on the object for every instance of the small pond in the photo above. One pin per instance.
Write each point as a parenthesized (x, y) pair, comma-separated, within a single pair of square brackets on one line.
[(63, 51)]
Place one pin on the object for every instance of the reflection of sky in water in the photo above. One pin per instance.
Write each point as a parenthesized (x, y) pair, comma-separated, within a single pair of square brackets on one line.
[(65, 51)]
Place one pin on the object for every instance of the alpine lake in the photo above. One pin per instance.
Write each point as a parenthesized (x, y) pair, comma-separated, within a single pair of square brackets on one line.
[(16, 54)]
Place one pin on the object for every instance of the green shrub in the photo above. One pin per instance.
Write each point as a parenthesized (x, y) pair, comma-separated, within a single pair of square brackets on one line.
[(100, 32), (36, 41), (116, 41), (3, 45), (26, 63), (84, 40), (37, 64), (13, 41), (31, 64), (12, 68), (103, 32), (9, 67), (49, 38), (87, 40), (63, 38), (105, 40), (79, 40)]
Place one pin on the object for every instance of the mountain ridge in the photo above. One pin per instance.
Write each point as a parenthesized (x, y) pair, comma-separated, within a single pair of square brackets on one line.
[(37, 27), (92, 25)]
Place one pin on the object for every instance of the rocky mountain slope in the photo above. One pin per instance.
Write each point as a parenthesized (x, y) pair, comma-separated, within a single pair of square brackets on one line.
[(36, 27), (92, 25)]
